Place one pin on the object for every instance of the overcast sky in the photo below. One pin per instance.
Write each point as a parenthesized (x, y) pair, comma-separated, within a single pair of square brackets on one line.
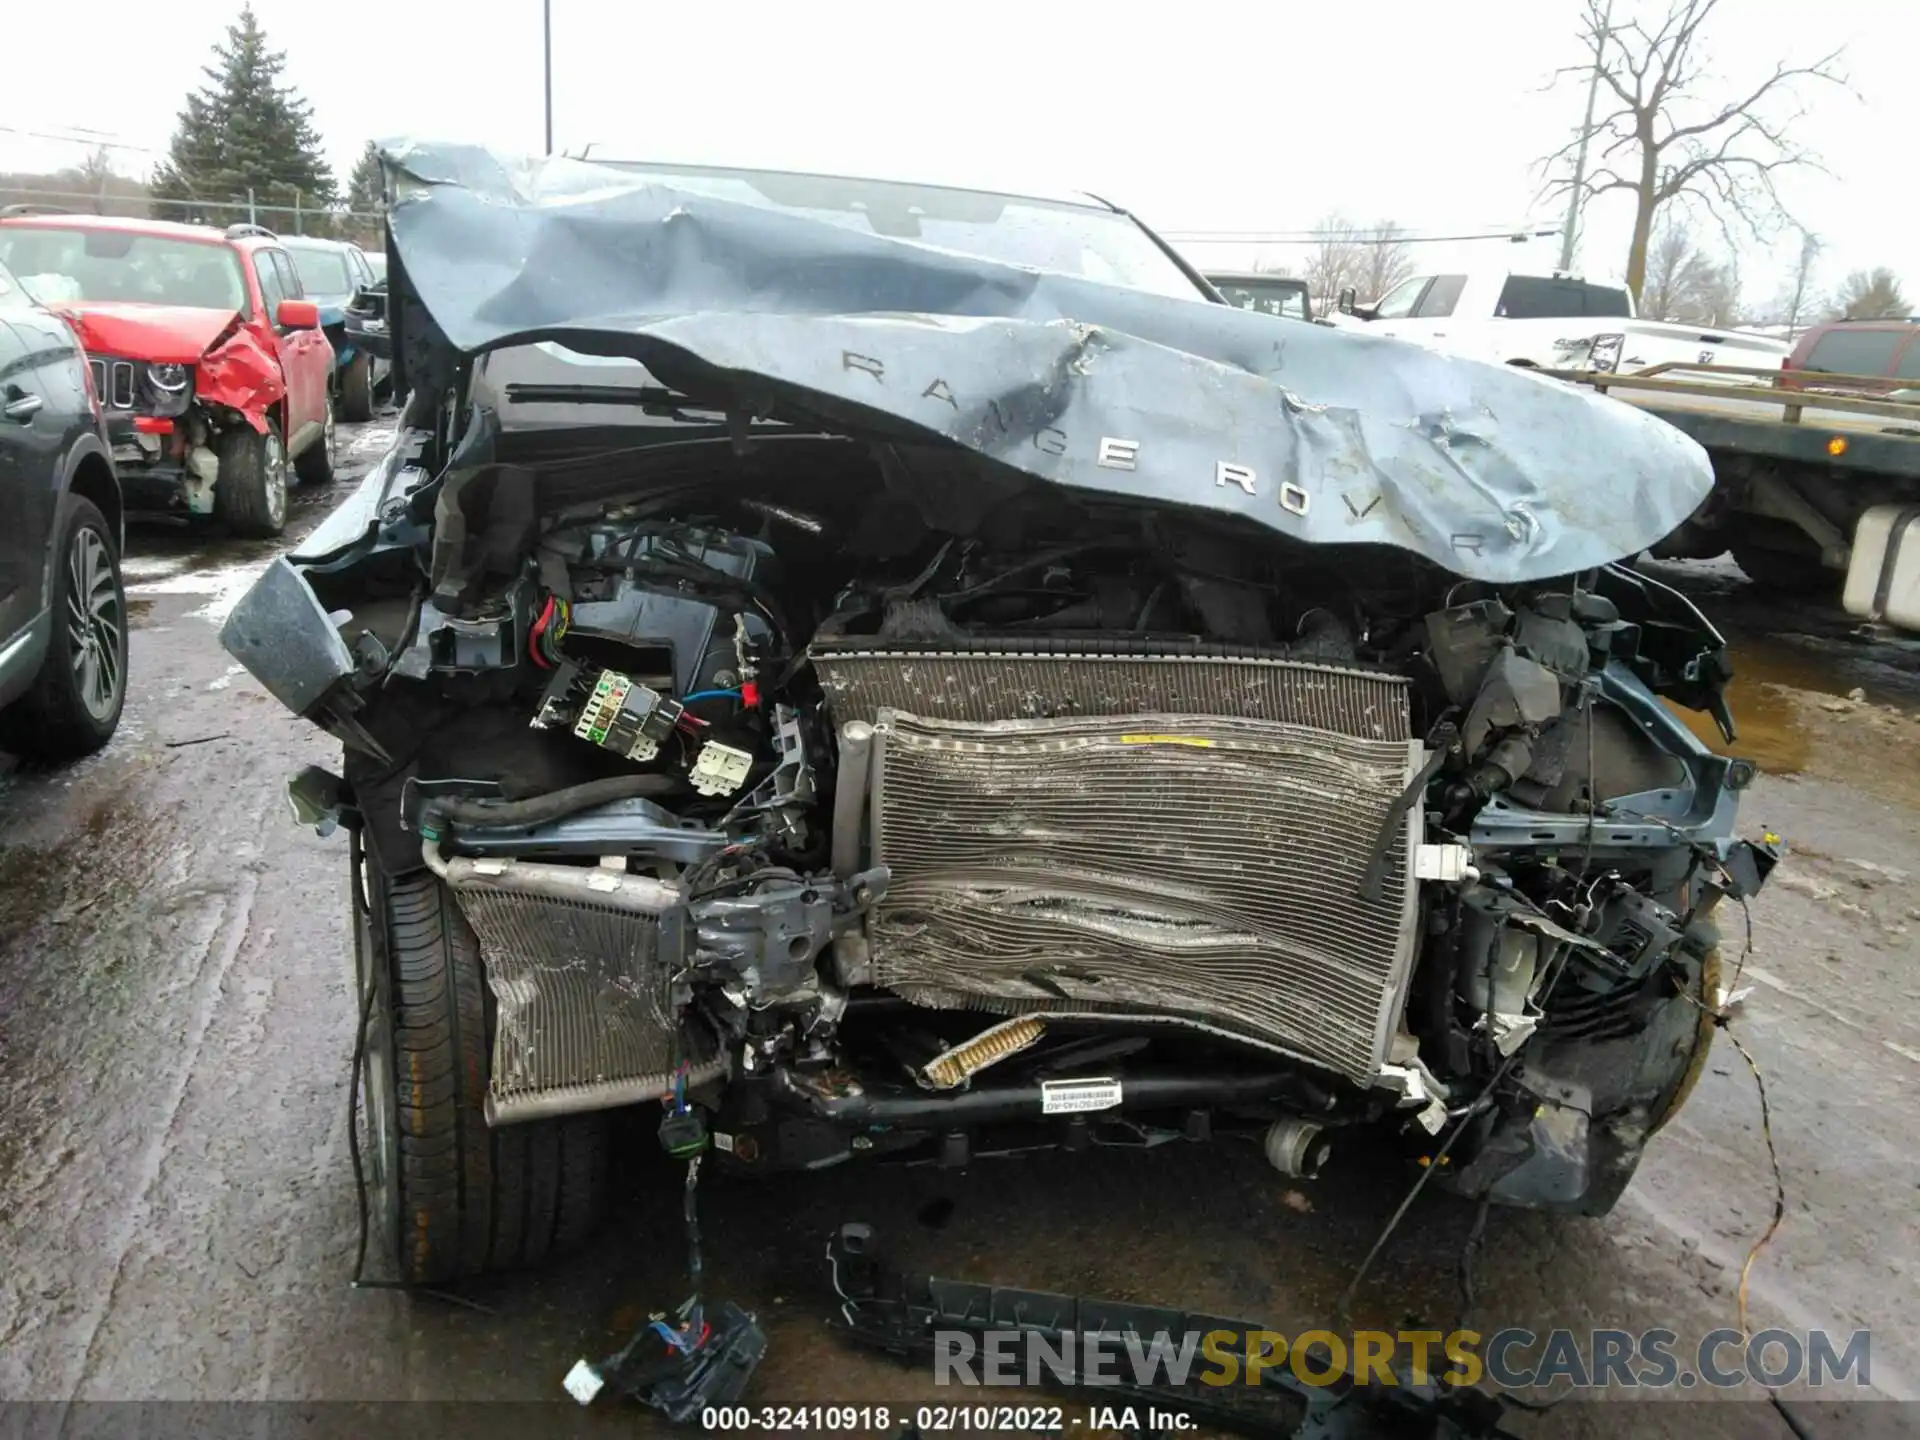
[(1200, 116)]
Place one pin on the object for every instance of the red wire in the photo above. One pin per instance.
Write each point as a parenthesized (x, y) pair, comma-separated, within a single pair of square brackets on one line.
[(538, 630)]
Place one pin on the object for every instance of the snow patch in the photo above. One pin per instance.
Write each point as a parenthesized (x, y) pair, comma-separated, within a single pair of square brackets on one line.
[(223, 586)]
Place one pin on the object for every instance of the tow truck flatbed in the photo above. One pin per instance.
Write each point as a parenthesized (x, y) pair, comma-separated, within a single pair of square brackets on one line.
[(1813, 479)]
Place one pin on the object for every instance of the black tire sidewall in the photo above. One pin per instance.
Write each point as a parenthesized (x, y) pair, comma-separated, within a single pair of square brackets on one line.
[(240, 487), (51, 722), (466, 1198), (380, 1160), (315, 465), (356, 390)]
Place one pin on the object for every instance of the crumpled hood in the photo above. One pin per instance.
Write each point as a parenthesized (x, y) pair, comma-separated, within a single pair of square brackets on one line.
[(162, 334), (1324, 436)]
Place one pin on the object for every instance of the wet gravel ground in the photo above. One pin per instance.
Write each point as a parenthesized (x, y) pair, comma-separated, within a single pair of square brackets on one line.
[(177, 1212)]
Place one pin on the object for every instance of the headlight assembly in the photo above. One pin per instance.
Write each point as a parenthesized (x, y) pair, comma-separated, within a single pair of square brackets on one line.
[(169, 388)]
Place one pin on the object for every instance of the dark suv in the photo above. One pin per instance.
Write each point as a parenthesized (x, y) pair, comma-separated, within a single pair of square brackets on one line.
[(63, 617)]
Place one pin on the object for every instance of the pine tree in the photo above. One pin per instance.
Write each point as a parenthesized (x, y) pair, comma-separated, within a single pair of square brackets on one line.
[(244, 130), (366, 188)]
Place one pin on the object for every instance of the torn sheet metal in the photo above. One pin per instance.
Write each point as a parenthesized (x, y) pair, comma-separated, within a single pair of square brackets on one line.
[(232, 366), (1320, 435), (242, 374)]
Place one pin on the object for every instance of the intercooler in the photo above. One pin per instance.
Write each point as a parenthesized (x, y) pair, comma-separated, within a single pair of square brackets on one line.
[(1172, 838), (580, 987)]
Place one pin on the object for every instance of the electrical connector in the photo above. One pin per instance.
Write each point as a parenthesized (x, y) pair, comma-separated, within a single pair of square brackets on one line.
[(719, 769)]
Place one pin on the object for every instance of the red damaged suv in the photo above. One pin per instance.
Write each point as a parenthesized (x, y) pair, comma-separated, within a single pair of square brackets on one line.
[(208, 363)]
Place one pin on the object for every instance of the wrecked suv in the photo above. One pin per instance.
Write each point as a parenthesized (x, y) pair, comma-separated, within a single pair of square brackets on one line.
[(897, 673), (209, 366)]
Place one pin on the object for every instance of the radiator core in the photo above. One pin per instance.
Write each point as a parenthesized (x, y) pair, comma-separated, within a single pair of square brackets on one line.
[(1175, 866), (580, 1003)]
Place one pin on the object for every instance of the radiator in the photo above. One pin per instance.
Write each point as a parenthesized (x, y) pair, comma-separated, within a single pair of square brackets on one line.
[(581, 1015), (1031, 682), (1193, 868)]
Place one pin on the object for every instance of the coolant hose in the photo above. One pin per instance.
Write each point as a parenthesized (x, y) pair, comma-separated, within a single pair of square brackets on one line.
[(545, 809)]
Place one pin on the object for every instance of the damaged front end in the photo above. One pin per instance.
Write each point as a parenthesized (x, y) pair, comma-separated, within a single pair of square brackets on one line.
[(921, 706), (170, 389)]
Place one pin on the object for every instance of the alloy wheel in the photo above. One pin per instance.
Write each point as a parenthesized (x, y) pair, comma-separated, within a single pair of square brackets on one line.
[(274, 467), (96, 623)]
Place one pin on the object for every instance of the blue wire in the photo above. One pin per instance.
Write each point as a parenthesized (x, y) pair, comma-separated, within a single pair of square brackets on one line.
[(709, 695)]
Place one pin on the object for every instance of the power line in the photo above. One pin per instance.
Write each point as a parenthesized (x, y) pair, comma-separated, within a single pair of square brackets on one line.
[(78, 136)]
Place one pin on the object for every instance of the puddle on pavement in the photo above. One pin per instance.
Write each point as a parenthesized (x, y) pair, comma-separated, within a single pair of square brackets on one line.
[(1771, 676)]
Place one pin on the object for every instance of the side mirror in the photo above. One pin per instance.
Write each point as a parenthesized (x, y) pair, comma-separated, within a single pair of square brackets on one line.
[(297, 315), (1345, 303)]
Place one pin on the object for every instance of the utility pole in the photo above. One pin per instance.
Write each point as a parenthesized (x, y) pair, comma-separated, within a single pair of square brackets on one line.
[(1586, 134), (546, 35)]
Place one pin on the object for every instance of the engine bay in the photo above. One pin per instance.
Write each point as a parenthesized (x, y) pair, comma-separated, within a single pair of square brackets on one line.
[(911, 807)]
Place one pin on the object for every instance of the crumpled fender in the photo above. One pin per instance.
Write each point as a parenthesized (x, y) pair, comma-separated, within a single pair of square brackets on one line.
[(243, 374)]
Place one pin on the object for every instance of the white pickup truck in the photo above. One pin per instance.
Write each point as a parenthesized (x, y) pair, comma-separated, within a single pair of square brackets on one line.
[(1555, 322)]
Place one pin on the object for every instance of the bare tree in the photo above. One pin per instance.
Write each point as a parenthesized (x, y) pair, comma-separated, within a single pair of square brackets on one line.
[(1796, 300), (1336, 260), (1871, 295), (94, 175), (1664, 141), (1685, 283), (1719, 303), (1672, 263), (1387, 260), (1372, 259)]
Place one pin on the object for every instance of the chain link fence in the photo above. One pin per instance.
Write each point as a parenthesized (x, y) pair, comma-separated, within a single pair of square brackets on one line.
[(120, 196)]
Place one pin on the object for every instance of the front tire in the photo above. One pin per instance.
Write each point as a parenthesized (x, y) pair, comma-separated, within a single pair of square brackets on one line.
[(250, 487), (464, 1199), (75, 703)]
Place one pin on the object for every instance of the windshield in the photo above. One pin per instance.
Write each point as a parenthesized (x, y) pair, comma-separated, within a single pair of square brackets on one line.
[(1270, 297), (1082, 240), (322, 272), (1552, 297), (59, 266), (1398, 303)]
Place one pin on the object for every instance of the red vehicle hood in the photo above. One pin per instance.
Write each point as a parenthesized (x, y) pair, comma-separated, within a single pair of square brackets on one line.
[(163, 334)]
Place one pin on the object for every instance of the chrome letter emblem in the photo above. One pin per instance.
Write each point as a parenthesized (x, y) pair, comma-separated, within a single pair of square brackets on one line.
[(1118, 454), (1229, 474)]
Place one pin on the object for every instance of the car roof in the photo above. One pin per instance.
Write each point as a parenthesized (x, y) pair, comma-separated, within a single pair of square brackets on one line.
[(133, 224), (315, 242), (1883, 322), (1803, 344)]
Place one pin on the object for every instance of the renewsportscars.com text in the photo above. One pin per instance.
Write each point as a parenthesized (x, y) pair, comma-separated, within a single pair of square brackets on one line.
[(1512, 1359)]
